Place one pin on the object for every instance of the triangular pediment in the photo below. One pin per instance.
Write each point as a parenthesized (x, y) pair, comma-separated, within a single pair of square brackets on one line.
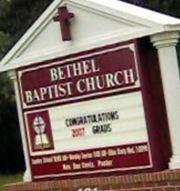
[(96, 23), (87, 27)]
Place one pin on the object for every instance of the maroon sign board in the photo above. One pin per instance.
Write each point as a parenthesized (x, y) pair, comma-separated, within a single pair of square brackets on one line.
[(85, 115)]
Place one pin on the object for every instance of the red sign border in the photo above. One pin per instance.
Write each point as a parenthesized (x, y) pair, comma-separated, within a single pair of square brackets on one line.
[(79, 54)]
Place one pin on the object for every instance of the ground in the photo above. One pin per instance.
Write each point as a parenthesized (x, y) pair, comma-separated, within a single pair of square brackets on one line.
[(9, 179)]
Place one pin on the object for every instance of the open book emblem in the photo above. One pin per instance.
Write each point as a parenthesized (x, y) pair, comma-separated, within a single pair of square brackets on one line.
[(41, 140)]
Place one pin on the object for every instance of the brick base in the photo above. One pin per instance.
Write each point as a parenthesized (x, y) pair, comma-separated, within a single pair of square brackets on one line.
[(159, 181)]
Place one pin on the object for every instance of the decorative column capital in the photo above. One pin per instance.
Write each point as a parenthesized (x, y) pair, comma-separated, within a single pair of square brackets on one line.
[(12, 75), (166, 39)]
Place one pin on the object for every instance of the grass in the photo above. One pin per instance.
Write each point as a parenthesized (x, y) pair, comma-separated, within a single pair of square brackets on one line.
[(9, 179)]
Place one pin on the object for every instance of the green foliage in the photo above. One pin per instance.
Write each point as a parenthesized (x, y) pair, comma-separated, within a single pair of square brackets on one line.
[(170, 7), (6, 93), (9, 179), (16, 16), (11, 159), (4, 43)]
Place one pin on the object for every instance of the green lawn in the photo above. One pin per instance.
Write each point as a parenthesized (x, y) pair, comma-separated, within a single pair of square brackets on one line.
[(9, 179)]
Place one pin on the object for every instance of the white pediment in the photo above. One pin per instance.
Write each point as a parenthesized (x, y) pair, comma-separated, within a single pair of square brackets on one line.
[(96, 23), (87, 27)]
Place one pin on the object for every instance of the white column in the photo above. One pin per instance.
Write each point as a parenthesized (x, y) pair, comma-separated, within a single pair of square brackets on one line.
[(166, 46), (27, 174)]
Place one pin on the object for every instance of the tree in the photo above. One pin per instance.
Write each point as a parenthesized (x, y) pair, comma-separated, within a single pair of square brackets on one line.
[(15, 18), (5, 40), (169, 7), (10, 134)]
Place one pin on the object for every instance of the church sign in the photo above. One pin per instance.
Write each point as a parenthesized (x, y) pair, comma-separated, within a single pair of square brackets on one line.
[(65, 140), (97, 90)]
